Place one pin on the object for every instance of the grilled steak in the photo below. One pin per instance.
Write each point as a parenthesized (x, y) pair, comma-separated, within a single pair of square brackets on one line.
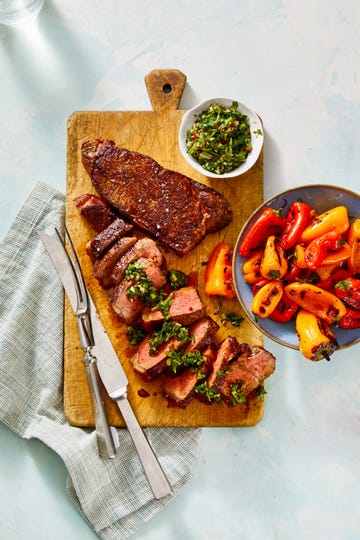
[(98, 245), (246, 372), (144, 248), (129, 308), (150, 365), (172, 208), (180, 389), (228, 350), (186, 308), (97, 211), (103, 267)]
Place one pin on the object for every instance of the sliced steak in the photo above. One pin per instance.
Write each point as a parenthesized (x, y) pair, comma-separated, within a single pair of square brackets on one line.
[(180, 389), (228, 350), (103, 267), (203, 333), (144, 248), (246, 373), (95, 210), (172, 208), (150, 365), (128, 308), (117, 229), (185, 308)]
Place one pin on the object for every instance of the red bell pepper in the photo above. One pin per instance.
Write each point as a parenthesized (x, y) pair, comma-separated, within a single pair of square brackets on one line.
[(285, 310), (351, 319), (270, 222), (348, 290), (318, 248), (329, 284), (296, 221), (218, 272)]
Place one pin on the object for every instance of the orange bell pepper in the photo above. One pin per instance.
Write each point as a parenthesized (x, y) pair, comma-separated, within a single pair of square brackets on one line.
[(251, 267), (267, 298), (335, 219), (354, 259), (274, 264), (316, 340), (354, 232), (319, 302), (218, 272)]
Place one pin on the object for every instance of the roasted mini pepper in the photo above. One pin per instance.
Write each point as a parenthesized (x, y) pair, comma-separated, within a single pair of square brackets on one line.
[(319, 302), (285, 310), (251, 267), (267, 298), (349, 291), (319, 248), (335, 219), (354, 232), (354, 259), (218, 272), (273, 263), (351, 319), (328, 282), (269, 222), (316, 340), (296, 220), (299, 254)]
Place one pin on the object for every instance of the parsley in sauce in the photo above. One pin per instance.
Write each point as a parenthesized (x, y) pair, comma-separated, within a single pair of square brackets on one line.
[(220, 138)]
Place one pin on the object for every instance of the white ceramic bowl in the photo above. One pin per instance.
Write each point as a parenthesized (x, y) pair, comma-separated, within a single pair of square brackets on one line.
[(257, 139), (322, 198)]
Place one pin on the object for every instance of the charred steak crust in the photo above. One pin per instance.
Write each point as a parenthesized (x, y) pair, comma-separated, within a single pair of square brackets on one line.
[(176, 210)]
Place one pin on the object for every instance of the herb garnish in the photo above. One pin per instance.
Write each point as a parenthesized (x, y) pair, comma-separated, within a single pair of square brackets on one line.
[(177, 279), (220, 138), (168, 330), (142, 288), (209, 393), (189, 359), (232, 317), (135, 334)]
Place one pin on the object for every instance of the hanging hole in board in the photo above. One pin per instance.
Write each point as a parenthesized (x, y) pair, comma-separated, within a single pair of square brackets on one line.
[(167, 88)]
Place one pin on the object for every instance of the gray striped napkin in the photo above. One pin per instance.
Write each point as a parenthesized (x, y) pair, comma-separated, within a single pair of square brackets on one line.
[(113, 495)]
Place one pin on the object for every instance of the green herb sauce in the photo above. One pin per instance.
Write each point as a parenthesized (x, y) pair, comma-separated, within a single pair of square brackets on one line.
[(220, 138)]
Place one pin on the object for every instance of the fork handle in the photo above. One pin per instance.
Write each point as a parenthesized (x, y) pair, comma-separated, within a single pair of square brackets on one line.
[(152, 468), (103, 433)]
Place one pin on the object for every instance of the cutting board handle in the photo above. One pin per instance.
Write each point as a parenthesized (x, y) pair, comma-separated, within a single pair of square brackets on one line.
[(165, 88)]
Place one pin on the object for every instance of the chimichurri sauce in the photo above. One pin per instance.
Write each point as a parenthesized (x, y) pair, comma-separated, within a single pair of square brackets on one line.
[(220, 138)]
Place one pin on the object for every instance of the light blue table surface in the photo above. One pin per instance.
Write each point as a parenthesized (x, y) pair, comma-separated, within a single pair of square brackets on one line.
[(295, 476)]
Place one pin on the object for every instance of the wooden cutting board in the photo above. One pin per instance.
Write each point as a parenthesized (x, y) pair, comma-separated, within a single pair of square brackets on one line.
[(153, 133)]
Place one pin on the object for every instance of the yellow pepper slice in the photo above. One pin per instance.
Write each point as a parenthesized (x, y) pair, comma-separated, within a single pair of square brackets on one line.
[(267, 298), (274, 264), (316, 340), (336, 219), (354, 232), (319, 302)]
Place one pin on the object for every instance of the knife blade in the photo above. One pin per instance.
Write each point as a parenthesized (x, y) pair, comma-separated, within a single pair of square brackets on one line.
[(111, 373)]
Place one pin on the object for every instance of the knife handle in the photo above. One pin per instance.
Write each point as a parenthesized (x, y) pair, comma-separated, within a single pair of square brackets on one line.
[(103, 433), (152, 468)]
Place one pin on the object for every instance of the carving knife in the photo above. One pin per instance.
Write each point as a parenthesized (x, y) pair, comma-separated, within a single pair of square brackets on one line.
[(111, 372)]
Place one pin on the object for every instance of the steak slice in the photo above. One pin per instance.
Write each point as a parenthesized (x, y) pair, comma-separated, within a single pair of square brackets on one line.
[(245, 373), (228, 350), (144, 248), (107, 237), (103, 267), (180, 389), (185, 308), (150, 365), (95, 210), (128, 308), (203, 333), (172, 208)]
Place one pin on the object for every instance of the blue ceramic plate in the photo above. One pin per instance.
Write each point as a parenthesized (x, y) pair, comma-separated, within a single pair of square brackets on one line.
[(322, 198)]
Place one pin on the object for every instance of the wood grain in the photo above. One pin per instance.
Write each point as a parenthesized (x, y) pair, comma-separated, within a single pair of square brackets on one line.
[(153, 133)]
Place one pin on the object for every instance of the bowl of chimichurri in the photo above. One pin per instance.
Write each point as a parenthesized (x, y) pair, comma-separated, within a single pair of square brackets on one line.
[(221, 138)]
